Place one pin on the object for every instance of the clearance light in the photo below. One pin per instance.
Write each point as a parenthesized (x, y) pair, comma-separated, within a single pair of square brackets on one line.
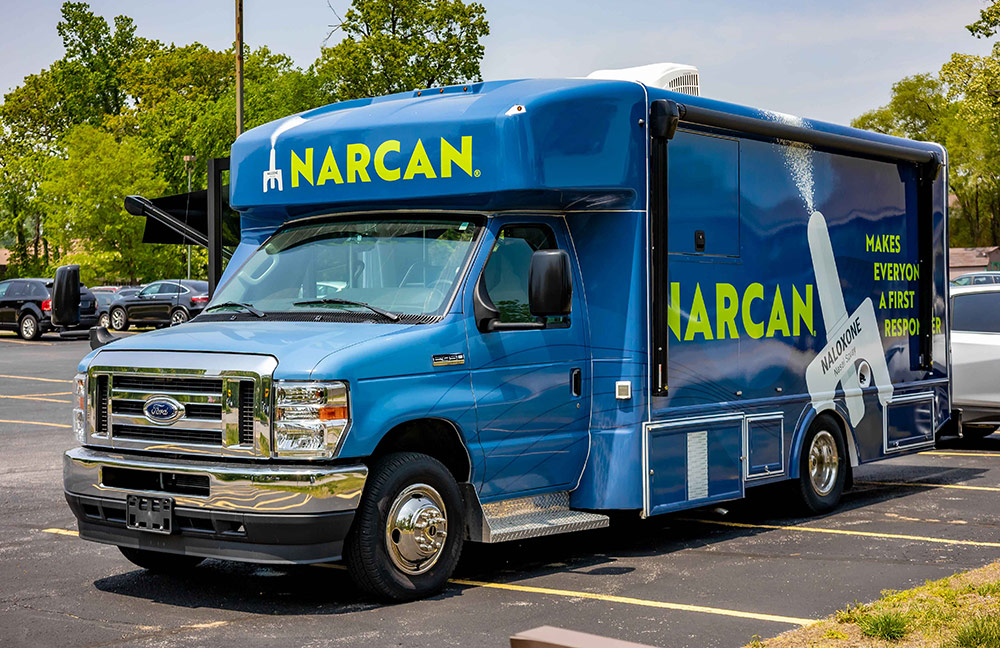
[(310, 418)]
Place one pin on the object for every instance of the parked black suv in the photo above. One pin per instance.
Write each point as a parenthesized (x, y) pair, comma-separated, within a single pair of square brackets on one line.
[(162, 302), (26, 307)]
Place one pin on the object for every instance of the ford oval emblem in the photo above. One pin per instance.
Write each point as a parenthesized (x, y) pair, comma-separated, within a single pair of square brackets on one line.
[(162, 409)]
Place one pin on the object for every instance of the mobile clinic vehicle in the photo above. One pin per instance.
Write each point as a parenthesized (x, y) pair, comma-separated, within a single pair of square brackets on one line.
[(502, 310)]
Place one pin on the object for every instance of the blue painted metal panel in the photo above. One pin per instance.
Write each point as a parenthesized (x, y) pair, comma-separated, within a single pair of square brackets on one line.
[(704, 190), (764, 451)]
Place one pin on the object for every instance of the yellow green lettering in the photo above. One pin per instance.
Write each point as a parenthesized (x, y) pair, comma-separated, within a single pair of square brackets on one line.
[(384, 172), (305, 169), (753, 329), (698, 321), (727, 309), (419, 163)]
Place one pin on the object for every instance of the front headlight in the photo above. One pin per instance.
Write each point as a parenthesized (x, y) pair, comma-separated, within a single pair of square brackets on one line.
[(309, 418), (80, 407)]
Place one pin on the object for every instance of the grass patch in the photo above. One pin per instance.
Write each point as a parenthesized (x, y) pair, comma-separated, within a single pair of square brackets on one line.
[(980, 632), (889, 625), (961, 611)]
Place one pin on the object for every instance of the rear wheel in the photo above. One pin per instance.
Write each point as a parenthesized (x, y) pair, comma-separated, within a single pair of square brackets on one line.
[(179, 316), (28, 327), (119, 319), (977, 432), (408, 531), (158, 561), (822, 467)]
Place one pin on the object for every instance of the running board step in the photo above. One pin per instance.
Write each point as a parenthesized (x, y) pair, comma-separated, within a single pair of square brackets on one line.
[(531, 517)]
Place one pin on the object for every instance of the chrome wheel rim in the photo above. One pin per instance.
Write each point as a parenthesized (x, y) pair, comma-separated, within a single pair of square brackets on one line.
[(118, 319), (27, 327), (179, 317), (104, 321), (824, 463), (416, 529)]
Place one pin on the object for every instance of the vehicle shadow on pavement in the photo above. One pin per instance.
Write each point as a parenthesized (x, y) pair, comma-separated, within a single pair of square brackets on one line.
[(314, 590)]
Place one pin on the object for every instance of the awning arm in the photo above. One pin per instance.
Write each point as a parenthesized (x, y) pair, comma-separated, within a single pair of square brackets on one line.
[(139, 206)]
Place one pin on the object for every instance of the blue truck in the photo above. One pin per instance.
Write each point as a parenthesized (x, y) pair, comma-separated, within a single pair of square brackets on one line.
[(502, 310)]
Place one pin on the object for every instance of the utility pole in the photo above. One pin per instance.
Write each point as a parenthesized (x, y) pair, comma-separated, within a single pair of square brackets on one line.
[(188, 161), (239, 67)]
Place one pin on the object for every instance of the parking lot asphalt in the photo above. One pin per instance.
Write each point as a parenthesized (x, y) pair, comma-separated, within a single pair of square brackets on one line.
[(710, 577)]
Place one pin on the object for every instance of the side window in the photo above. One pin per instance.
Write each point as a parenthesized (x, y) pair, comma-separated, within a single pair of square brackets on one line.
[(149, 290), (4, 286), (506, 271), (981, 279), (18, 289), (976, 313), (961, 281), (38, 290), (169, 289)]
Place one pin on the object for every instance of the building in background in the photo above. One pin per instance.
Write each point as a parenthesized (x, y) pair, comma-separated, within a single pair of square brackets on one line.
[(974, 259)]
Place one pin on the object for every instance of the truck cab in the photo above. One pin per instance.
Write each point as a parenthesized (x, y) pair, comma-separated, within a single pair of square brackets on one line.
[(460, 315)]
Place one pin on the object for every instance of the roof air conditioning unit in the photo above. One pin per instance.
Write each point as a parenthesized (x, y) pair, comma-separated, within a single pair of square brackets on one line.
[(668, 76)]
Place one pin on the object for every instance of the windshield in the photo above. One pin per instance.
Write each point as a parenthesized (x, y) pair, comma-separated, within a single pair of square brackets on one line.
[(406, 267)]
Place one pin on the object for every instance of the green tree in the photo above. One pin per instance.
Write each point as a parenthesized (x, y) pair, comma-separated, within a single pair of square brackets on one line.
[(84, 193), (397, 45)]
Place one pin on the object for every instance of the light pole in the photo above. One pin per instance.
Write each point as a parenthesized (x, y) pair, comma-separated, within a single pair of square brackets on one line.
[(239, 67), (188, 162)]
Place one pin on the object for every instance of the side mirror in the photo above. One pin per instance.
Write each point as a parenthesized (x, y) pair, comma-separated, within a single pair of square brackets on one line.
[(484, 309), (66, 296), (550, 284)]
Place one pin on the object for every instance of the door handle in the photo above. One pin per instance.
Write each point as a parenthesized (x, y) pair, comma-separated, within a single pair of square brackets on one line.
[(576, 381)]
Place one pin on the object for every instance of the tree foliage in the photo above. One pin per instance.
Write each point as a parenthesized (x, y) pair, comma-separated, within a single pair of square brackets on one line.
[(117, 113), (959, 107), (397, 45)]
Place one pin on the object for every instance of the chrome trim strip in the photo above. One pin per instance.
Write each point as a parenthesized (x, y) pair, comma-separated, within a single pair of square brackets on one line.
[(232, 487), (140, 396), (183, 423)]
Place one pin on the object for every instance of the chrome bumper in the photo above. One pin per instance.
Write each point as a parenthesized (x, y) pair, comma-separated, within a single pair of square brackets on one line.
[(264, 488)]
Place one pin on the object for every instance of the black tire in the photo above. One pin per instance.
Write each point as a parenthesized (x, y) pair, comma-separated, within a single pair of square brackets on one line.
[(160, 562), (179, 316), (119, 319), (977, 432), (28, 328), (372, 564), (820, 484)]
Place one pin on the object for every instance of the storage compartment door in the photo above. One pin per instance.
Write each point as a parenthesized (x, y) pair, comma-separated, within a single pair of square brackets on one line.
[(908, 421), (693, 462), (765, 445)]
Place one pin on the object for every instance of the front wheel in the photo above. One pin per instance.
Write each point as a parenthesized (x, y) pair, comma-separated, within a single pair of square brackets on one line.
[(822, 467), (158, 561), (28, 328), (119, 319), (408, 530)]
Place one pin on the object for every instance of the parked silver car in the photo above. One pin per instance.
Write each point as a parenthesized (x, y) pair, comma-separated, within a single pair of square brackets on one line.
[(975, 357)]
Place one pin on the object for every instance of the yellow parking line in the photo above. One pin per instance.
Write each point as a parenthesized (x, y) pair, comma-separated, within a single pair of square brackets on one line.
[(51, 394), (65, 532), (992, 489), (38, 398), (58, 425), (610, 598), (628, 600), (4, 339), (55, 380), (960, 454), (867, 534)]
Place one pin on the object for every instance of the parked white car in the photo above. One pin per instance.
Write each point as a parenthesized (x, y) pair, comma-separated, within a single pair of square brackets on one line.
[(975, 357)]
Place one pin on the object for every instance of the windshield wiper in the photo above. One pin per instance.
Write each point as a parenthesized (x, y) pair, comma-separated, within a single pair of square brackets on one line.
[(347, 302), (230, 304)]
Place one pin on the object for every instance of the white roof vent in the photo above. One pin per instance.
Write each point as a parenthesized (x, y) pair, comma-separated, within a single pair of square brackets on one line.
[(668, 76)]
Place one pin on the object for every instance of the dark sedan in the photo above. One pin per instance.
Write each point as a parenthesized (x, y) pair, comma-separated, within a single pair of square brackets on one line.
[(173, 301), (26, 307)]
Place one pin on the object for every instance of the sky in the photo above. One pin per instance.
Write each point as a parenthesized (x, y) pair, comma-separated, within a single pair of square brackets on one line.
[(823, 60)]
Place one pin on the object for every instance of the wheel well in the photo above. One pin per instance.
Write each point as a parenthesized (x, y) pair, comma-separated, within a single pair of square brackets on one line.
[(845, 433), (434, 437)]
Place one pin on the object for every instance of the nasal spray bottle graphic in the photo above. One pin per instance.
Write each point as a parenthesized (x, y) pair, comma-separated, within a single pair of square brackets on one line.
[(853, 356), (272, 176)]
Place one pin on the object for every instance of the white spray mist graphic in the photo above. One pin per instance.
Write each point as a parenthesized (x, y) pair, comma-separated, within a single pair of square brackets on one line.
[(798, 160)]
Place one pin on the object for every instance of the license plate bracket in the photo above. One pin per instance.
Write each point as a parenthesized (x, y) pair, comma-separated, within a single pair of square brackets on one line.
[(151, 514)]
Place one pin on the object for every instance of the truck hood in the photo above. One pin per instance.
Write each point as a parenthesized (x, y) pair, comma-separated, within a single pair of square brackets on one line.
[(298, 346)]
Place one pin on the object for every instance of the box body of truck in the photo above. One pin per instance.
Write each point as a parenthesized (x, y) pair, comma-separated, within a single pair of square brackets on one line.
[(571, 296)]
